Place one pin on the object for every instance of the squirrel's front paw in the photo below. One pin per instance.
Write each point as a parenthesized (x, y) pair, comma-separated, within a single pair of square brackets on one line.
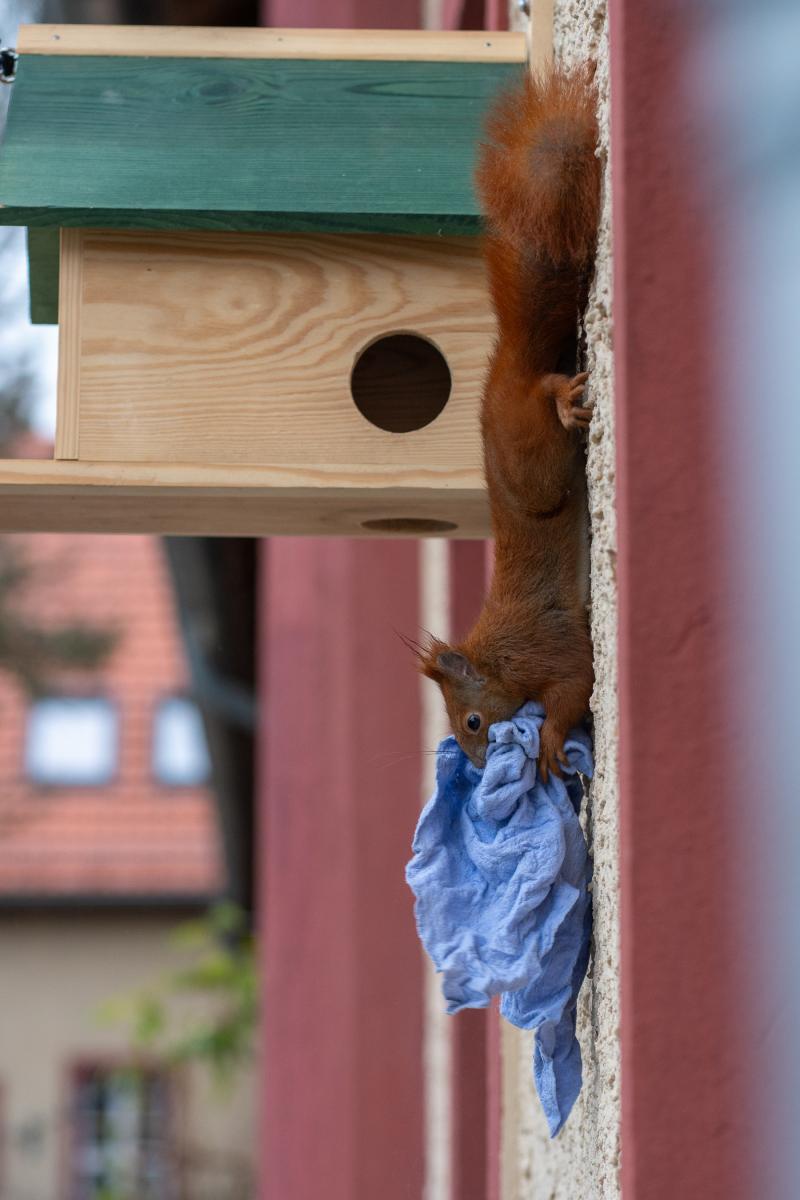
[(551, 751), (572, 413)]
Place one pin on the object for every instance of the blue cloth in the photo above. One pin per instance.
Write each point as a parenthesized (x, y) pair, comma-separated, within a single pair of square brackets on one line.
[(500, 872)]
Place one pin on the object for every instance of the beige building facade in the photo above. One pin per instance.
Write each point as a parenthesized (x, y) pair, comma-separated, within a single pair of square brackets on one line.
[(59, 972)]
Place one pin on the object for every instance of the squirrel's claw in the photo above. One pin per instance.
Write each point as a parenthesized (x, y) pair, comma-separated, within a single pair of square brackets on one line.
[(572, 412)]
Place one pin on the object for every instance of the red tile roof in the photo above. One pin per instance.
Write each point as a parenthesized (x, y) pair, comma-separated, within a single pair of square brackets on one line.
[(134, 836)]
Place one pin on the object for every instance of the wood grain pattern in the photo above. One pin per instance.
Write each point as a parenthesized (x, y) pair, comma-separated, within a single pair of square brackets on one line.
[(70, 292), (161, 498), (180, 41), (246, 144), (204, 348), (541, 34)]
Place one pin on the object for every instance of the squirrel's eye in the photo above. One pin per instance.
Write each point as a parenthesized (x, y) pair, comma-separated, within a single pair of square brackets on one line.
[(474, 722)]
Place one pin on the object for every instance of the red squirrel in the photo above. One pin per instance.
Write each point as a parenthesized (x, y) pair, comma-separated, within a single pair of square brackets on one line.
[(539, 182)]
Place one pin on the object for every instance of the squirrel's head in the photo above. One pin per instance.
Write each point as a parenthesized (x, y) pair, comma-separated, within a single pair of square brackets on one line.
[(473, 697)]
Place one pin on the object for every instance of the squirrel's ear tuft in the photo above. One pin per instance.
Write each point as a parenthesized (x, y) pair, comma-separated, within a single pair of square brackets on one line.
[(457, 666), (438, 661), (430, 670), (427, 654), (431, 657)]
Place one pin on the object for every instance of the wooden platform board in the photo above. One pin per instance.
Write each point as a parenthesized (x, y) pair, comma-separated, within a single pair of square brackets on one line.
[(162, 498)]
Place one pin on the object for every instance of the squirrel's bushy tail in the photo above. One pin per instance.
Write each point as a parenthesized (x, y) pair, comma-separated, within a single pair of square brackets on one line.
[(539, 176)]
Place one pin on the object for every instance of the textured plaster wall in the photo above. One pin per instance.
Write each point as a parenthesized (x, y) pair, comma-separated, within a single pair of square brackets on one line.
[(583, 1162)]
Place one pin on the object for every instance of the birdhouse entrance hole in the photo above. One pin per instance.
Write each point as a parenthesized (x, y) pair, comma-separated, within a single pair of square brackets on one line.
[(411, 526), (401, 382)]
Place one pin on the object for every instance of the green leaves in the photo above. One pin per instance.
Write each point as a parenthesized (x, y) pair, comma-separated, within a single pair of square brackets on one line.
[(206, 1011), (150, 1019)]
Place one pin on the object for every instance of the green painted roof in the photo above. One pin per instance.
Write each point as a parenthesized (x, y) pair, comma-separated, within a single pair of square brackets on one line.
[(193, 143)]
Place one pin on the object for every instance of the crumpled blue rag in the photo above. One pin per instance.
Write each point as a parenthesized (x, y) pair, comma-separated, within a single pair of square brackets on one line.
[(500, 871)]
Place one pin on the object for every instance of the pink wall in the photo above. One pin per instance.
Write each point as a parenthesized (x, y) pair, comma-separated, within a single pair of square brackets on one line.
[(342, 971), (684, 1113), (475, 1084), (342, 14)]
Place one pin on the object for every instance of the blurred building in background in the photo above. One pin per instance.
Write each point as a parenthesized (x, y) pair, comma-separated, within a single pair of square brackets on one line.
[(126, 798), (109, 836)]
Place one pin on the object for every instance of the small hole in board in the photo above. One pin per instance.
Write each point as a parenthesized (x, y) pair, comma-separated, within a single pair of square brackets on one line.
[(421, 525), (400, 382)]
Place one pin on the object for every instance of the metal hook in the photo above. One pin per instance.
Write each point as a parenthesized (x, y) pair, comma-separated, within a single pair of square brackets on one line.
[(8, 64)]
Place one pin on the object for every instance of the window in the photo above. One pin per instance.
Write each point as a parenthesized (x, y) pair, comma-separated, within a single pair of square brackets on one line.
[(119, 1135), (71, 741), (180, 753)]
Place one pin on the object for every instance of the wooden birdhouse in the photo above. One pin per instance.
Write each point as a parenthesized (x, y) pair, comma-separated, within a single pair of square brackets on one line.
[(261, 249)]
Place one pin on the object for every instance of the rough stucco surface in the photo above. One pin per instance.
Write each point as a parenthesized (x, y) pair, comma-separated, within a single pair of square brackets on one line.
[(583, 1162)]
